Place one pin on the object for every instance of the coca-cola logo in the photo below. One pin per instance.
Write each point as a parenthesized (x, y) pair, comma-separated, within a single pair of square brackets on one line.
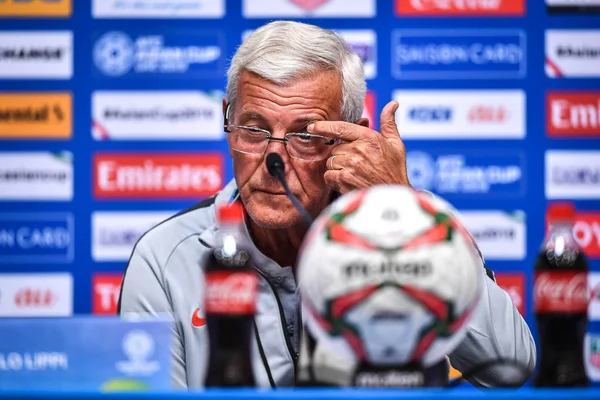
[(561, 292), (230, 293)]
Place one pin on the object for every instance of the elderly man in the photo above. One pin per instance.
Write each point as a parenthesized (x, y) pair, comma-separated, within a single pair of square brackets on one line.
[(286, 80)]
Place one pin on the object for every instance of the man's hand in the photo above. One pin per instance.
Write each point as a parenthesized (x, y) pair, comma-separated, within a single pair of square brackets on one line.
[(367, 158)]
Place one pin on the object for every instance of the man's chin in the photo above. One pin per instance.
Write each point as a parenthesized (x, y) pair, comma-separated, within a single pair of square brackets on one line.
[(274, 218)]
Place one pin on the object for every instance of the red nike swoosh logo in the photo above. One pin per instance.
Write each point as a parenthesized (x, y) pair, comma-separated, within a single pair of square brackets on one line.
[(197, 321)]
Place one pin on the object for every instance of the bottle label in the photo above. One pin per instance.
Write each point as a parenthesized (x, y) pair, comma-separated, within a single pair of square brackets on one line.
[(231, 292), (560, 292)]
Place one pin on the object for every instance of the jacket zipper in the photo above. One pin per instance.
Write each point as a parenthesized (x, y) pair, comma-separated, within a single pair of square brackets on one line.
[(288, 341), (261, 350)]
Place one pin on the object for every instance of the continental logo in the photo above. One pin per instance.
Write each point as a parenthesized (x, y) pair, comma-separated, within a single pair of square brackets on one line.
[(36, 115), (35, 8)]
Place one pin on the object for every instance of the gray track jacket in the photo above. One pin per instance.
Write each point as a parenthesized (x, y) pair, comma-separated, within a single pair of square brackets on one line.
[(164, 275)]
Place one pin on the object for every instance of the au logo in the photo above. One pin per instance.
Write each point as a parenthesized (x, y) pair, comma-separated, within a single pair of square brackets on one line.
[(35, 8)]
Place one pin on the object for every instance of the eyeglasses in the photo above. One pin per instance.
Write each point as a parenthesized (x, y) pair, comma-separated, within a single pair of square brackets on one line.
[(300, 145)]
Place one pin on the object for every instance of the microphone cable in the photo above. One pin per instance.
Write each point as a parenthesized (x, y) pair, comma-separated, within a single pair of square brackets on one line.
[(276, 166)]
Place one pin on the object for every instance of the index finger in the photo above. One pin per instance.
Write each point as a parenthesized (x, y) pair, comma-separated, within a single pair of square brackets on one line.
[(340, 130)]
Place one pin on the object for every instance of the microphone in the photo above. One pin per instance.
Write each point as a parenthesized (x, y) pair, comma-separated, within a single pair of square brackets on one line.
[(275, 166)]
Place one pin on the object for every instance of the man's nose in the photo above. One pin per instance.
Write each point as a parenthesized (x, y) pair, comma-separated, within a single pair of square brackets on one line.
[(278, 145)]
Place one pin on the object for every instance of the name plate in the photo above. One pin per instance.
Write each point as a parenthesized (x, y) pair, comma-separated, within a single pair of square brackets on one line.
[(85, 353)]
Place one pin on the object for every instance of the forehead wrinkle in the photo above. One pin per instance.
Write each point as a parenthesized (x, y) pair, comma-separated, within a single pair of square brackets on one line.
[(310, 113), (284, 100), (300, 82), (299, 102), (317, 94)]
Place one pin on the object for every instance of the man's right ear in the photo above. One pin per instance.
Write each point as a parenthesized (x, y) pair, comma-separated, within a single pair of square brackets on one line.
[(225, 122), (225, 113)]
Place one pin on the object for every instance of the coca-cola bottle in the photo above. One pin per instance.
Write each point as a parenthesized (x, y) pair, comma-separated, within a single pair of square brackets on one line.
[(230, 304), (561, 301)]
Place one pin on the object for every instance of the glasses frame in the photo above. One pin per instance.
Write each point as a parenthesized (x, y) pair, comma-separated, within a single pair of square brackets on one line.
[(227, 127)]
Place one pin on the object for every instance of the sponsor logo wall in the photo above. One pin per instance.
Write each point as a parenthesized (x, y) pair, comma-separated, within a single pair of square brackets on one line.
[(37, 175), (36, 54), (575, 114), (431, 8), (35, 8), (500, 235), (158, 9), (459, 54), (573, 6), (36, 295), (309, 8), (36, 115), (114, 233), (111, 122), (514, 284), (461, 114), (573, 174), (184, 54), (475, 174), (158, 175), (36, 238), (364, 43), (573, 53), (106, 291), (592, 356), (157, 115), (594, 291), (587, 232)]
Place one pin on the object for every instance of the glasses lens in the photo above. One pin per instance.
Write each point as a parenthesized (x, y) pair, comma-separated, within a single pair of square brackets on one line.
[(247, 140), (308, 147)]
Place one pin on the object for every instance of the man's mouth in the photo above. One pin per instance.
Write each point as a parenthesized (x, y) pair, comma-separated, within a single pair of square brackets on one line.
[(272, 192)]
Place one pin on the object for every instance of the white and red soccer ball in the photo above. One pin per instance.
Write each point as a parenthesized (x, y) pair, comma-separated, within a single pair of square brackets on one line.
[(389, 276)]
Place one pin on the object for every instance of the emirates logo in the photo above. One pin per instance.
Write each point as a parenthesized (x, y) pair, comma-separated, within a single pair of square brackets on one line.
[(309, 5)]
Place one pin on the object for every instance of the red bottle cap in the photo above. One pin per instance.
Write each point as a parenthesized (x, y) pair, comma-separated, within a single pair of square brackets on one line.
[(231, 213), (560, 211)]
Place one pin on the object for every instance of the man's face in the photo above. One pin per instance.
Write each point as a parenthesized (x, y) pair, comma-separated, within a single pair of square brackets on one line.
[(280, 110)]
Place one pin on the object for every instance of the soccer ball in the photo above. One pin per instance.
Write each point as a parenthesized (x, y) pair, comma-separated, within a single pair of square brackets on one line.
[(389, 276)]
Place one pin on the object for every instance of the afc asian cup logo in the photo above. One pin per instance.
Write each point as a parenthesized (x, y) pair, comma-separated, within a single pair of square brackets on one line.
[(114, 54), (421, 169), (138, 345)]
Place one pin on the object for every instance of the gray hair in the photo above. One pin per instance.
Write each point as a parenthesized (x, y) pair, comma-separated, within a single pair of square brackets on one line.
[(282, 51)]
